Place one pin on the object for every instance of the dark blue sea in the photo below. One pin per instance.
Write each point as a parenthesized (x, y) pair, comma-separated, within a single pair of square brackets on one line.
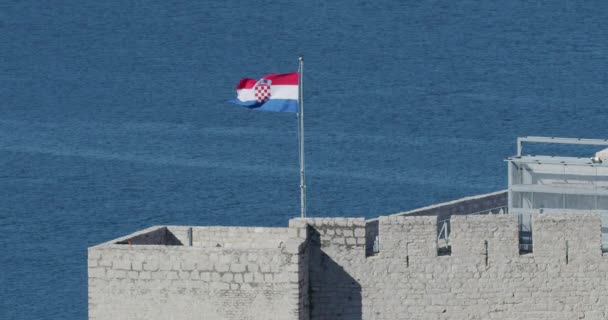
[(113, 116)]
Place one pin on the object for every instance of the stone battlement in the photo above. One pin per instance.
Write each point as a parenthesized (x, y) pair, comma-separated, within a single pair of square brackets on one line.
[(321, 268)]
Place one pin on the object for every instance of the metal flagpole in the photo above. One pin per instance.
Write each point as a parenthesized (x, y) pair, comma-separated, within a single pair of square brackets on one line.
[(301, 137)]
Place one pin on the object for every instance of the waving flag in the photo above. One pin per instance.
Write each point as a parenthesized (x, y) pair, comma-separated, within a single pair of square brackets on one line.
[(274, 92)]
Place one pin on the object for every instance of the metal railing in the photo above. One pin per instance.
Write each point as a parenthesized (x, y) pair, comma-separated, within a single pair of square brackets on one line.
[(521, 140)]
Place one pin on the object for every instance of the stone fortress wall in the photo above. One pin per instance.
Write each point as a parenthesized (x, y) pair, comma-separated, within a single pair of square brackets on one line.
[(322, 268), (199, 273)]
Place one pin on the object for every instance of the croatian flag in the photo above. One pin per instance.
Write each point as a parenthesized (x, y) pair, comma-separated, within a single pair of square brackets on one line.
[(274, 92)]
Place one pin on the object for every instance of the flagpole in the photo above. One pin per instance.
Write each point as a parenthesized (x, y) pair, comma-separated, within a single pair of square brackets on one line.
[(301, 137)]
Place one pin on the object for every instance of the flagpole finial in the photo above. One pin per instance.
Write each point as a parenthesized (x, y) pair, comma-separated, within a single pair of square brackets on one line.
[(301, 58)]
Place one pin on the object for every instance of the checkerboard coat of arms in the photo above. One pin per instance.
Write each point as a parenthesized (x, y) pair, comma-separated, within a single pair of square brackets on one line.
[(262, 90)]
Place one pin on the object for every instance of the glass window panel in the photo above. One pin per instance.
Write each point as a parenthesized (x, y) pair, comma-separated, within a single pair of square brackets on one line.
[(601, 180), (602, 203), (547, 200), (548, 174), (526, 174), (526, 200), (580, 202), (522, 200), (515, 173), (516, 200), (580, 176)]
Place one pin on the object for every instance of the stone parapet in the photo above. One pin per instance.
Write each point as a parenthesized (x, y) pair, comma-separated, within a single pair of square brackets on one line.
[(244, 281), (321, 268)]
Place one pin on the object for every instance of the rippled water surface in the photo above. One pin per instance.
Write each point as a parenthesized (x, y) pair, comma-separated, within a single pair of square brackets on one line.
[(113, 116)]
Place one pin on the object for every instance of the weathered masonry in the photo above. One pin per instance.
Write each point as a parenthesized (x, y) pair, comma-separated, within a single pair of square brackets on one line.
[(323, 268), (534, 251), (199, 273)]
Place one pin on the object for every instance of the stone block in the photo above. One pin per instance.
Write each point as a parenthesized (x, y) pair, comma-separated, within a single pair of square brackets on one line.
[(159, 275), (97, 273), (298, 223), (194, 275), (165, 265), (258, 277), (268, 277), (292, 246), (137, 265), (265, 268), (216, 276), (94, 254), (188, 265), (150, 265), (248, 277), (227, 277), (222, 267), (360, 232), (122, 265), (105, 262), (116, 274), (237, 267)]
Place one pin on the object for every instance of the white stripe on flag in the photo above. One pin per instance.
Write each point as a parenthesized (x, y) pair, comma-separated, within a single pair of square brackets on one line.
[(276, 92)]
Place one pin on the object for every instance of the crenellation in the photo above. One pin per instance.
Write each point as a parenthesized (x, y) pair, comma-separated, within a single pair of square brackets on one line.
[(485, 238), (571, 239), (321, 268), (408, 237)]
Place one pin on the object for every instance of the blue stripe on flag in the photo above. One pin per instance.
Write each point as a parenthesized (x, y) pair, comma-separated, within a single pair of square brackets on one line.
[(276, 105)]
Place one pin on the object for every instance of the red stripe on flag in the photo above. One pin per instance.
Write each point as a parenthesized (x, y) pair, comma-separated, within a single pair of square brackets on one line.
[(277, 79), (283, 79), (246, 83)]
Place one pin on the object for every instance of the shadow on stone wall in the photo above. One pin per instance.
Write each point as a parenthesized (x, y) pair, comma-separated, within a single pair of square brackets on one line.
[(161, 236), (334, 294)]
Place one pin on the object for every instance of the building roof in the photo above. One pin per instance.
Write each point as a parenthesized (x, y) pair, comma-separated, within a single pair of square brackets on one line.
[(557, 160)]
